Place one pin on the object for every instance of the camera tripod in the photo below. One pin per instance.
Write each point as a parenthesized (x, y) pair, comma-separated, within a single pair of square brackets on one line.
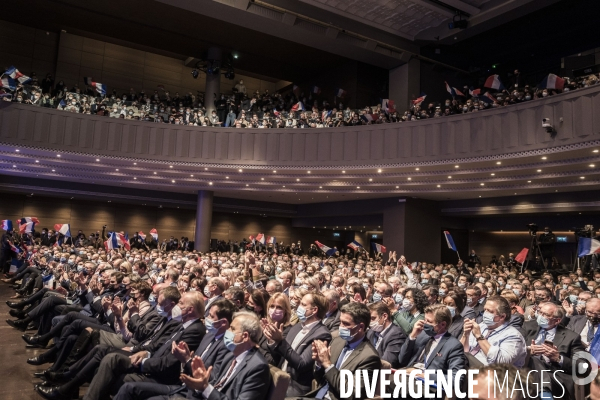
[(534, 251)]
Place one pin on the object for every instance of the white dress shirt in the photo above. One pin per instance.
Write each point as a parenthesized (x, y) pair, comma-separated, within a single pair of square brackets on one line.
[(238, 360), (507, 346), (299, 337)]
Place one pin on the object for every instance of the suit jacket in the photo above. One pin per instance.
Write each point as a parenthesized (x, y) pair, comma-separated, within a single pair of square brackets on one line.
[(567, 342), (516, 320), (158, 338), (332, 322), (468, 312), (449, 354), (364, 357), (457, 326), (391, 343), (163, 365), (212, 301), (577, 323), (142, 327), (252, 379), (214, 356), (299, 362)]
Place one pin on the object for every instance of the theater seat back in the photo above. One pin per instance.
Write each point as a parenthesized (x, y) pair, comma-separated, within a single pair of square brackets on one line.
[(281, 381)]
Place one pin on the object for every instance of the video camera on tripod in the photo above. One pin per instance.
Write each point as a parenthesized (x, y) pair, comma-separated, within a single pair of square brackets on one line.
[(587, 231)]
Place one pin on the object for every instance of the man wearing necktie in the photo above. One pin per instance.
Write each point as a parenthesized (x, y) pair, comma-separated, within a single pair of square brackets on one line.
[(431, 348), (552, 349), (386, 337), (350, 351)]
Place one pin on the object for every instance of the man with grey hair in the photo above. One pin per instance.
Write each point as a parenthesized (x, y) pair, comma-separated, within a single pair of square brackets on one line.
[(244, 371), (552, 347), (274, 286), (332, 317), (213, 291)]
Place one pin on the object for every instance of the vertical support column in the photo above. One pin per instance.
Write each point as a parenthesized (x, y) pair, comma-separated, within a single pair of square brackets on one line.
[(394, 236), (213, 81), (405, 84), (204, 210)]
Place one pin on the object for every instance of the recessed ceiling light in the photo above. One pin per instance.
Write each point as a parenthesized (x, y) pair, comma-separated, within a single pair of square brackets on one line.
[(37, 161), (116, 169), (439, 185), (416, 169), (97, 160), (134, 163), (192, 175), (297, 180), (410, 179), (343, 172), (283, 185), (274, 172), (515, 193), (53, 170), (173, 181), (320, 187), (592, 165), (539, 170), (240, 170), (247, 185), (397, 187), (528, 181), (482, 184), (493, 174), (582, 177), (308, 172), (155, 173), (206, 169), (58, 155), (370, 179), (210, 183), (595, 151), (262, 179), (498, 162), (14, 166), (17, 150), (544, 158), (379, 170), (358, 187), (479, 196), (226, 177), (134, 178), (449, 177)]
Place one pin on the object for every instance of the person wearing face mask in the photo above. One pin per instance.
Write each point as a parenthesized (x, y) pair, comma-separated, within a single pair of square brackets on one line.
[(455, 303), (551, 347), (431, 348), (331, 320), (155, 363), (350, 351), (493, 341), (211, 351), (295, 348), (406, 314), (244, 373), (83, 370), (473, 259), (386, 337), (213, 291), (586, 325)]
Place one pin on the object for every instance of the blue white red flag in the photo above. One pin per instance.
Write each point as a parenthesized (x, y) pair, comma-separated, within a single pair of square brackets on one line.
[(325, 114), (378, 248), (588, 246), (450, 241), (493, 82), (487, 98), (8, 83), (14, 248), (419, 99), (354, 245), (341, 93), (65, 229), (453, 91), (325, 249), (272, 240), (27, 224), (260, 238), (370, 117), (100, 88), (298, 106), (7, 224), (142, 235), (17, 75), (115, 240), (553, 82), (474, 92)]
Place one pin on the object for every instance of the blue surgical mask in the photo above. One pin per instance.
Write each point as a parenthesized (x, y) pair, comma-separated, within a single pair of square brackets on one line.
[(161, 311), (442, 292), (210, 326), (542, 321), (488, 318), (79, 268), (301, 313), (63, 260), (517, 292), (573, 298), (428, 329), (152, 299), (424, 281), (346, 334), (452, 311), (228, 339), (377, 297), (398, 298), (71, 262), (445, 271)]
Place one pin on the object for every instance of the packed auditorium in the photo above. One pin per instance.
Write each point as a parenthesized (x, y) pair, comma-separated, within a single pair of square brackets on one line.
[(409, 212)]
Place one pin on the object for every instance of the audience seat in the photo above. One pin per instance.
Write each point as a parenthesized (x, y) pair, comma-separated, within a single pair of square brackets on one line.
[(281, 381)]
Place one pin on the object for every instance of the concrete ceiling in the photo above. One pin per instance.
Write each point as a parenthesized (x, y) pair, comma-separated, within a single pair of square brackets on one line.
[(509, 175)]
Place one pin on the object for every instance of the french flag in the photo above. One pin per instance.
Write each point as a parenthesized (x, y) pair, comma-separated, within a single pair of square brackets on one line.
[(115, 240), (553, 82), (419, 100), (8, 83), (27, 224), (142, 235), (260, 238), (388, 105), (325, 114), (474, 92), (453, 91), (7, 224), (316, 90), (341, 93), (14, 248), (100, 88), (450, 241), (370, 117), (271, 240), (493, 82), (298, 106), (276, 113), (378, 248), (354, 245), (16, 75), (154, 234), (588, 246), (488, 98), (325, 249), (65, 229)]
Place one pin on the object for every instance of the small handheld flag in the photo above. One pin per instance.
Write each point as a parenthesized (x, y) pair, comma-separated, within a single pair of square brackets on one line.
[(453, 91), (142, 235), (449, 240), (553, 82), (354, 245), (522, 256), (154, 234), (27, 224), (493, 82), (7, 225), (325, 249), (298, 106), (588, 246), (17, 75), (419, 100), (65, 229), (271, 240), (341, 93), (8, 83), (378, 248), (260, 238)]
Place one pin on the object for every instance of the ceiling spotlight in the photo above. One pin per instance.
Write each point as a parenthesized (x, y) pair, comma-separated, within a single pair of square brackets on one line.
[(449, 177), (343, 172), (283, 185), (37, 161), (416, 169), (134, 163), (192, 176), (456, 166), (370, 179), (498, 162), (170, 166), (544, 158), (262, 179), (410, 179), (210, 183), (53, 170), (582, 177), (240, 170), (155, 173), (379, 170), (134, 178), (226, 177), (97, 160), (493, 174), (320, 187), (58, 155), (539, 170), (528, 181), (358, 187), (308, 172), (173, 181), (206, 169), (595, 151), (397, 187), (17, 150), (14, 166), (482, 184), (592, 165), (247, 185), (274, 172), (439, 185)]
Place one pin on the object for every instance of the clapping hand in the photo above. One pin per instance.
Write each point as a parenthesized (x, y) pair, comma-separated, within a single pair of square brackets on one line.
[(200, 373), (321, 353), (181, 351), (273, 332)]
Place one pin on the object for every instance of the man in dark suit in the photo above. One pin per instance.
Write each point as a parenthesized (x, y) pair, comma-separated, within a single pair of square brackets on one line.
[(244, 372), (431, 348), (213, 292), (211, 350), (386, 337), (586, 326), (332, 317), (350, 351), (83, 370), (296, 348), (475, 300), (552, 347)]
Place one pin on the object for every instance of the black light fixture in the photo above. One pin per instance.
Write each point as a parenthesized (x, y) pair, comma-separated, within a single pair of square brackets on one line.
[(195, 73), (458, 23)]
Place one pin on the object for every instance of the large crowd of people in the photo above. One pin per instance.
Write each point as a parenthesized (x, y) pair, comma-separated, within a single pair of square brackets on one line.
[(242, 109), (141, 322)]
